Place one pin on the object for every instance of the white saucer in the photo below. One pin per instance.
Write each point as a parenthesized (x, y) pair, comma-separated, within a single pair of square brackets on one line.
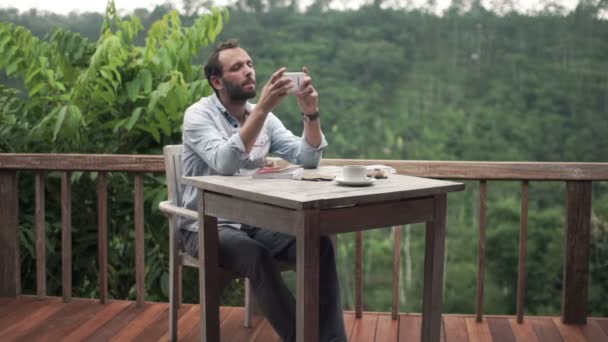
[(368, 181)]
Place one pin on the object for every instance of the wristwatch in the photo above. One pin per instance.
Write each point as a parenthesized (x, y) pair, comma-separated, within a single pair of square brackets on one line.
[(310, 117)]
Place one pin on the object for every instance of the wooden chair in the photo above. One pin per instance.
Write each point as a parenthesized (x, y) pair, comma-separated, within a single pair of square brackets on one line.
[(177, 257)]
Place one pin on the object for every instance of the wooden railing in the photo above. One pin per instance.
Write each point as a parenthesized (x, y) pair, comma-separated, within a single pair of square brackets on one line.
[(578, 177)]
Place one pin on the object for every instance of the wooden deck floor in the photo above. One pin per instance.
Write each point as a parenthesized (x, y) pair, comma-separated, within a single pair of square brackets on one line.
[(31, 319)]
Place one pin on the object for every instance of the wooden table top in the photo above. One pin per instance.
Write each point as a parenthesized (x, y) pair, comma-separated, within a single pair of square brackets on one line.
[(300, 194)]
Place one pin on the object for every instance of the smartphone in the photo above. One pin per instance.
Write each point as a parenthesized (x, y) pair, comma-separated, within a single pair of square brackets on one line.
[(297, 78)]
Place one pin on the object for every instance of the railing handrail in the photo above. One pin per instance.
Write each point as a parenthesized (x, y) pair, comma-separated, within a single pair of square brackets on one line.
[(464, 170)]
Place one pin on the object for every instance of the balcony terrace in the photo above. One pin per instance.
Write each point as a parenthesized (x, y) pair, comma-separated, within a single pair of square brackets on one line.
[(41, 317)]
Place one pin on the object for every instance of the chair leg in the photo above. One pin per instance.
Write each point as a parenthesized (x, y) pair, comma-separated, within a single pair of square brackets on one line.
[(248, 306), (175, 281), (180, 286)]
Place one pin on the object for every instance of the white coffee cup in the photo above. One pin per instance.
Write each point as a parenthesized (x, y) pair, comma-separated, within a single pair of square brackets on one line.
[(297, 78), (354, 173)]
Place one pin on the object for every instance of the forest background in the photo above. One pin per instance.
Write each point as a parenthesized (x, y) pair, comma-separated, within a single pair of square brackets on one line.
[(395, 82)]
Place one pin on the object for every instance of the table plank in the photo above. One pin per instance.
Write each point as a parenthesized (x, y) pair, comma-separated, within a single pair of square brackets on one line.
[(297, 194)]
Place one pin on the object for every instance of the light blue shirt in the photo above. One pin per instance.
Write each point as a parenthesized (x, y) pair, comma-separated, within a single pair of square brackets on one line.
[(213, 146)]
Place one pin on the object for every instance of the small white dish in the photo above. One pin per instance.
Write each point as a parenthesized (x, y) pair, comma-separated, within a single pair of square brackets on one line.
[(368, 181)]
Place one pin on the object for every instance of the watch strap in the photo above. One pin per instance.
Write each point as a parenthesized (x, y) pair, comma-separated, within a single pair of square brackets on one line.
[(310, 117)]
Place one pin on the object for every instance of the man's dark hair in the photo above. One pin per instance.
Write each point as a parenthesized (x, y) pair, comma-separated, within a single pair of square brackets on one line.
[(213, 66)]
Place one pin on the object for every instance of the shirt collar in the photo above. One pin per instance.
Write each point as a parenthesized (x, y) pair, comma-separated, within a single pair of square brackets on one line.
[(231, 119)]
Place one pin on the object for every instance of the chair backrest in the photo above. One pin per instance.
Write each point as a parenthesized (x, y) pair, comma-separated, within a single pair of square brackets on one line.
[(173, 170)]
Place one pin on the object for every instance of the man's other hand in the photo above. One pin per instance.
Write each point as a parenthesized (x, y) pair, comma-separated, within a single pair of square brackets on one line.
[(307, 95)]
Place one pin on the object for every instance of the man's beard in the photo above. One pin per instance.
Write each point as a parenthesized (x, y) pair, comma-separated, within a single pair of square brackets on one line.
[(236, 93)]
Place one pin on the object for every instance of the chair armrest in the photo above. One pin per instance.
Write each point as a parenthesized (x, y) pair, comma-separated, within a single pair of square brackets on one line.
[(171, 209)]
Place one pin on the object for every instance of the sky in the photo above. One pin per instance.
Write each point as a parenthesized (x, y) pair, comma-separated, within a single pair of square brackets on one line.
[(67, 6)]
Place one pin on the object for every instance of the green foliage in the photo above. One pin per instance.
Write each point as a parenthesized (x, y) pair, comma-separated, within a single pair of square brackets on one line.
[(112, 96), (79, 91)]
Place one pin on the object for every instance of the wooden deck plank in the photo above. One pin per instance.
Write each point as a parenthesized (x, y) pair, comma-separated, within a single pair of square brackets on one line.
[(545, 330), (523, 332), (52, 327), (31, 320), (349, 323), (569, 332), (17, 309), (593, 332), (265, 333), (387, 328), (478, 332), (602, 322), (455, 329), (195, 334), (235, 330), (365, 328), (186, 323), (410, 328), (109, 311), (160, 325), (108, 330), (138, 325), (500, 329)]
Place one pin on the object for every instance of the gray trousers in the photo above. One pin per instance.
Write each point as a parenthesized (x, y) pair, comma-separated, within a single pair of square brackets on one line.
[(250, 252)]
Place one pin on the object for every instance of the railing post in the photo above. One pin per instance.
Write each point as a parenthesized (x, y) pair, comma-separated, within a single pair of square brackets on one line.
[(576, 254), (396, 270), (10, 272), (102, 237), (66, 236), (523, 253), (481, 261), (140, 268), (358, 274), (40, 235)]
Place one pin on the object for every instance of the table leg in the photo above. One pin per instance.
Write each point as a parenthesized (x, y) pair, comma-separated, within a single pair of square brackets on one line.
[(208, 274), (432, 297), (307, 273)]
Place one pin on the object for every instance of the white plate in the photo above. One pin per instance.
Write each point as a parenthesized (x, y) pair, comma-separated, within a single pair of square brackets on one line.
[(368, 181)]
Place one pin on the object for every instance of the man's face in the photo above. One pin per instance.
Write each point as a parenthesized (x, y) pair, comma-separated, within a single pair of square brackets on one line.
[(238, 79)]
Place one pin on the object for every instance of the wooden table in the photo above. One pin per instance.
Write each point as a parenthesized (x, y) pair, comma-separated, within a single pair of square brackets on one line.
[(309, 210)]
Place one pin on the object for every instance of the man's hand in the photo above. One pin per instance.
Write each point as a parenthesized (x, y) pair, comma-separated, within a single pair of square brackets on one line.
[(307, 95), (274, 91)]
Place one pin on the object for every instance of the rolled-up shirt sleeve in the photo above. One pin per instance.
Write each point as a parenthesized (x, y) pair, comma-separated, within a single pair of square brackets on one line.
[(292, 148), (222, 154)]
